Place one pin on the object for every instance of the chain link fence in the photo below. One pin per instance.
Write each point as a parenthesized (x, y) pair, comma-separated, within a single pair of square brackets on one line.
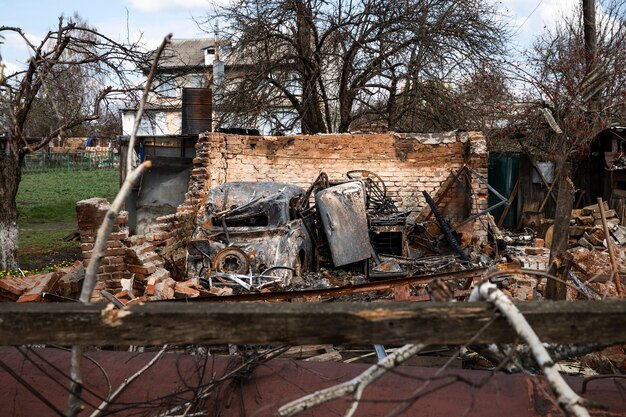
[(71, 161)]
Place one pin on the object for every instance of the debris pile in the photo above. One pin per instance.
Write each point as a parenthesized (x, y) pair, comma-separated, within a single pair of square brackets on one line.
[(259, 236), (591, 272), (27, 289), (601, 256), (64, 282), (586, 227)]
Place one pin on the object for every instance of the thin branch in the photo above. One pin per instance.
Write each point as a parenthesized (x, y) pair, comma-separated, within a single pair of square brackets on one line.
[(354, 387), (104, 231), (30, 388), (74, 402), (97, 412), (131, 177), (207, 390)]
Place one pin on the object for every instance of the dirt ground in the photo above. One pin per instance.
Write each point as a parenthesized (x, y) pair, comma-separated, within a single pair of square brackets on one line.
[(33, 257)]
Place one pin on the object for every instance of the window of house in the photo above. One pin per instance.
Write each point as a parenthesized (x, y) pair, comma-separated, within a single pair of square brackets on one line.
[(153, 123), (160, 123), (209, 55), (166, 87), (283, 121), (224, 51), (196, 81), (146, 125), (294, 86)]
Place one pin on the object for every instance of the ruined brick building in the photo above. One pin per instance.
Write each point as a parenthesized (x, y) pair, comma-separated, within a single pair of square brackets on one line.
[(407, 163)]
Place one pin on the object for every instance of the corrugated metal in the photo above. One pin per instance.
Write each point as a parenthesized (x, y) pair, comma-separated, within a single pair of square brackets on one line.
[(197, 110)]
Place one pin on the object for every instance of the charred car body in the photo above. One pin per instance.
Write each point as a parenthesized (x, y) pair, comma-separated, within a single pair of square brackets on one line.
[(249, 235), (252, 235)]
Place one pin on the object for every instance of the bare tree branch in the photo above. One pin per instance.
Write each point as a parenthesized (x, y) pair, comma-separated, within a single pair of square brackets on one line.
[(354, 387), (104, 231), (102, 407), (571, 402)]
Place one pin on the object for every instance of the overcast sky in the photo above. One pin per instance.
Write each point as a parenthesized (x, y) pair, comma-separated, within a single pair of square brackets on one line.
[(153, 19)]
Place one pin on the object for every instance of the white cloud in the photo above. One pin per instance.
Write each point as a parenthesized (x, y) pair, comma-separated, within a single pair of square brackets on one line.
[(15, 51), (149, 31), (529, 18), (10, 68), (162, 5), (15, 40)]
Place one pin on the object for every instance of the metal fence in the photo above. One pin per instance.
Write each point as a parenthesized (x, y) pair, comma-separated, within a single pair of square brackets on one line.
[(70, 161)]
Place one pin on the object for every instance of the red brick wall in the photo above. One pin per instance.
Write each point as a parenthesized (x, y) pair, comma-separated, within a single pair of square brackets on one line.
[(112, 267), (125, 257), (407, 163)]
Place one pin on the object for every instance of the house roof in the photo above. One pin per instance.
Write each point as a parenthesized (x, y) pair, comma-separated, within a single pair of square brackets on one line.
[(185, 53)]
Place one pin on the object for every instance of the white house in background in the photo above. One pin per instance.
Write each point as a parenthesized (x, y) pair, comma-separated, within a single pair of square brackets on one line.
[(186, 64), (176, 111), (189, 78), (186, 93)]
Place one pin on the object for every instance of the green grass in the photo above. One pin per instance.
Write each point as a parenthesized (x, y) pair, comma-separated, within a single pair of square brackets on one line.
[(46, 202)]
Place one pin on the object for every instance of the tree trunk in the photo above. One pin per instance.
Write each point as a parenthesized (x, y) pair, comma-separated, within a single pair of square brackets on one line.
[(589, 28), (346, 99), (560, 237), (312, 117), (10, 174)]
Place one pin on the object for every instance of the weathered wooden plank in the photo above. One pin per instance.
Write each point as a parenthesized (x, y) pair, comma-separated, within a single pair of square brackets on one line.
[(303, 323)]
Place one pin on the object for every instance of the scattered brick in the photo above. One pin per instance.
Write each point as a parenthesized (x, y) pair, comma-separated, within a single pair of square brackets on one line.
[(27, 298), (534, 251), (182, 291)]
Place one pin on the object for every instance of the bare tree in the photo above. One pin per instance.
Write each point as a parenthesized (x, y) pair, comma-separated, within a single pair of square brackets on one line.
[(577, 89), (338, 62), (41, 100), (480, 100)]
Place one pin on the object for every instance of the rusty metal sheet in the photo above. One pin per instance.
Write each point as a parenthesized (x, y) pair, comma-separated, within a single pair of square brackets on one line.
[(344, 219), (275, 383), (197, 111)]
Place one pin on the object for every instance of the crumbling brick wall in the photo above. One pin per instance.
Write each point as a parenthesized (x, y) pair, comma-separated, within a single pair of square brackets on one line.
[(125, 257), (407, 163), (112, 269)]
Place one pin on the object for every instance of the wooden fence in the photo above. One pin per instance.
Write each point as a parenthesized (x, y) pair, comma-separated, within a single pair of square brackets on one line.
[(158, 323)]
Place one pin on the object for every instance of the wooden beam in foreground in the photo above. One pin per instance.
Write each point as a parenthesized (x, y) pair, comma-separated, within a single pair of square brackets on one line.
[(303, 323)]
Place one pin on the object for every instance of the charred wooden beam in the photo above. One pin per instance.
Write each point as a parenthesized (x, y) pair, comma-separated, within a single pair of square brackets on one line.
[(304, 323)]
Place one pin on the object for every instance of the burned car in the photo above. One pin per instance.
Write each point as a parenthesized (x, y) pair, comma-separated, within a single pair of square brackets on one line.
[(252, 235), (249, 236)]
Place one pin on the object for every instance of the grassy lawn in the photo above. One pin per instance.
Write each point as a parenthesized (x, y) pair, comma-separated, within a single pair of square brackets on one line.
[(46, 202)]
